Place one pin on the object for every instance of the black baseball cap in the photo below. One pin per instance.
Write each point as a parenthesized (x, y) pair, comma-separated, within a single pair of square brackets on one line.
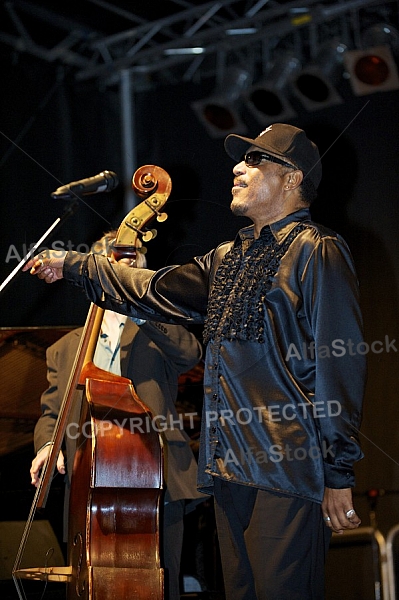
[(282, 141)]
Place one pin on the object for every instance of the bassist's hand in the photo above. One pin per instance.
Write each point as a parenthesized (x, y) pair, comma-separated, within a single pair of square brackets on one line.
[(39, 461)]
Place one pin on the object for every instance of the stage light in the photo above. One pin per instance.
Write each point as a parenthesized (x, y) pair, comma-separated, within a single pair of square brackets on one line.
[(315, 85), (371, 70), (267, 99), (220, 112), (219, 116)]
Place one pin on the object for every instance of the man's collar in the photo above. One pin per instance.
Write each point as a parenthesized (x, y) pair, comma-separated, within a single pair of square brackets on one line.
[(279, 229)]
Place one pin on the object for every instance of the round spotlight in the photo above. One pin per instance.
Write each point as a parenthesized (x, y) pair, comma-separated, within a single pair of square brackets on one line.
[(313, 88), (266, 102), (219, 117), (372, 69)]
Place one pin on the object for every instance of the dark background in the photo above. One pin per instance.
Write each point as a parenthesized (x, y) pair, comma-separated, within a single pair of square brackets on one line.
[(67, 130)]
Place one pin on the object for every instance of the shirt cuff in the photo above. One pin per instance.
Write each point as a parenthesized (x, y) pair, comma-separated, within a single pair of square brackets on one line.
[(138, 321), (44, 445)]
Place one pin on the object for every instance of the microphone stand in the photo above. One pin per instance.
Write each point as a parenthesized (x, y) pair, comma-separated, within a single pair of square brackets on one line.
[(69, 211)]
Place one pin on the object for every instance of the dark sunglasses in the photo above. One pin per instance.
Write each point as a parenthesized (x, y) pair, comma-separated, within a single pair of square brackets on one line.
[(255, 157)]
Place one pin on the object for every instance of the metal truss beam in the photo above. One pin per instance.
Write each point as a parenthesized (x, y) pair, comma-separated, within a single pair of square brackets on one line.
[(192, 41)]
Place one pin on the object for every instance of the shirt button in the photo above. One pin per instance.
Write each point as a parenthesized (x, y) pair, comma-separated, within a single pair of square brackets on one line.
[(215, 397)]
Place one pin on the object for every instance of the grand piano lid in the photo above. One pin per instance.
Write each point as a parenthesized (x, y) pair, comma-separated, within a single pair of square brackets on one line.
[(22, 380)]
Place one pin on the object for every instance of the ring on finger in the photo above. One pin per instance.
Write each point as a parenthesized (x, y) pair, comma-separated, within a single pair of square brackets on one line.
[(350, 513), (327, 519)]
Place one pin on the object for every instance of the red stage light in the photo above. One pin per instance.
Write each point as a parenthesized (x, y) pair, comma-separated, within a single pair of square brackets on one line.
[(372, 69)]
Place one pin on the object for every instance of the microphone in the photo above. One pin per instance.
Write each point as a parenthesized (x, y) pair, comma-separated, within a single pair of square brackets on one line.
[(106, 181)]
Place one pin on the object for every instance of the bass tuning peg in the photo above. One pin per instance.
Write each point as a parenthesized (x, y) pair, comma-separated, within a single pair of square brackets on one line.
[(161, 217), (149, 235)]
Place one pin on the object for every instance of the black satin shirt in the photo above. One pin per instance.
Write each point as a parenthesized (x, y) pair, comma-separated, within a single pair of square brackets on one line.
[(283, 392)]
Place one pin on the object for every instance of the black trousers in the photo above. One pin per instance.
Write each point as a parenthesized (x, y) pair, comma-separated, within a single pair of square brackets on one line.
[(172, 536), (272, 546)]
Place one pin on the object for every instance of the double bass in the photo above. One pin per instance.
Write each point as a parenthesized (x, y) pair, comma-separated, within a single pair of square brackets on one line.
[(117, 476)]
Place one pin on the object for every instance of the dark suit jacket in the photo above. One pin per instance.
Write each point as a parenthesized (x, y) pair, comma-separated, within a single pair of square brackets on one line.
[(152, 356)]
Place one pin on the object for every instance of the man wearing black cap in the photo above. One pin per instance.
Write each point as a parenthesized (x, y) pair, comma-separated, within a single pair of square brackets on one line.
[(283, 380)]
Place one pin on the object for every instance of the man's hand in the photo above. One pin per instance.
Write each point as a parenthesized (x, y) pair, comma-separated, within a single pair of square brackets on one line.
[(338, 511), (47, 265), (38, 462)]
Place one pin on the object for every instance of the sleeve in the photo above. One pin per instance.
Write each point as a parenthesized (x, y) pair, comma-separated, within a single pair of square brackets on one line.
[(332, 306), (179, 346), (50, 403), (176, 294)]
